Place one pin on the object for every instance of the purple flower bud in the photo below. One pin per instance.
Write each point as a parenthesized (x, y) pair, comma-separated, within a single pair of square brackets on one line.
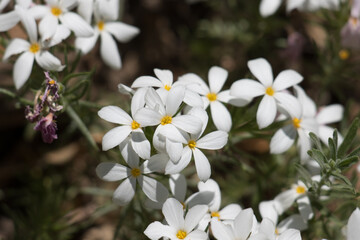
[(350, 34), (48, 128), (33, 116)]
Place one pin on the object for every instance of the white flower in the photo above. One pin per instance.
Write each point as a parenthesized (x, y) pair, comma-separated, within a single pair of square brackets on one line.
[(164, 82), (353, 230), (178, 227), (130, 126), (267, 231), (106, 28), (270, 89), (125, 192), (193, 143), (212, 96), (30, 51), (239, 230), (58, 10), (226, 215), (10, 19), (3, 4)]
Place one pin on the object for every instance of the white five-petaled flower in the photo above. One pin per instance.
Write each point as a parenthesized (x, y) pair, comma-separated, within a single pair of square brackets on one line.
[(353, 230), (267, 231), (270, 89), (130, 126), (30, 51), (59, 10), (178, 227), (192, 144), (164, 82), (106, 27), (134, 173), (213, 96), (241, 229)]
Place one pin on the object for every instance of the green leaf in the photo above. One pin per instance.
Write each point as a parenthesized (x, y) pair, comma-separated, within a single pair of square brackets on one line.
[(304, 174), (332, 149), (349, 137), (319, 157), (341, 177), (344, 163), (335, 138), (316, 141), (355, 152)]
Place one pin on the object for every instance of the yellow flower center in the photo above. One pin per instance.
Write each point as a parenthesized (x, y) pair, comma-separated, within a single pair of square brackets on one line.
[(344, 54), (270, 91), (34, 48), (192, 144), (296, 122), (354, 20), (300, 189), (101, 25), (56, 11), (135, 172), (181, 234), (183, 204), (135, 125), (167, 87), (166, 120), (211, 96), (277, 231), (215, 214)]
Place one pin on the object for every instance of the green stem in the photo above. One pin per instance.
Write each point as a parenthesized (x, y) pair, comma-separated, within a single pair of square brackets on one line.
[(13, 95), (73, 115)]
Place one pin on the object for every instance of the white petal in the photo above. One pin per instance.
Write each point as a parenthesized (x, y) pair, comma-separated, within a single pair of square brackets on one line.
[(289, 103), (174, 99), (39, 11), (121, 31), (138, 100), (197, 84), (86, 44), (147, 117), (221, 231), (153, 189), (146, 81), (61, 34), (172, 168), (220, 116), (211, 185), (22, 69), (165, 76), (109, 51), (3, 4), (115, 114), (294, 221), (217, 77), (48, 26), (69, 4), (247, 89), (197, 235), (214, 140), (193, 99), (140, 144), (330, 114), (125, 192), (153, 101), (203, 197), (282, 139), (157, 163), (269, 7), (173, 213), (8, 20), (16, 46), (308, 105), (85, 9), (193, 217), (128, 153), (266, 112), (285, 200), (76, 24), (353, 230), (202, 165), (243, 223), (178, 186), (174, 134), (174, 150), (48, 61), (267, 210), (290, 234), (262, 70), (156, 230), (28, 22), (286, 79), (304, 143), (114, 137), (305, 209), (230, 212), (203, 116), (267, 226), (187, 123), (225, 97), (326, 132), (112, 171)]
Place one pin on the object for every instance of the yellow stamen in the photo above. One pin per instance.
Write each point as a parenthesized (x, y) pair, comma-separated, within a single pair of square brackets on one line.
[(183, 204), (215, 214), (135, 125), (101, 25), (181, 234), (51, 82), (270, 91), (34, 48), (296, 122), (166, 120), (135, 172), (56, 11), (167, 87), (344, 54), (277, 231), (192, 144), (300, 189), (211, 96)]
